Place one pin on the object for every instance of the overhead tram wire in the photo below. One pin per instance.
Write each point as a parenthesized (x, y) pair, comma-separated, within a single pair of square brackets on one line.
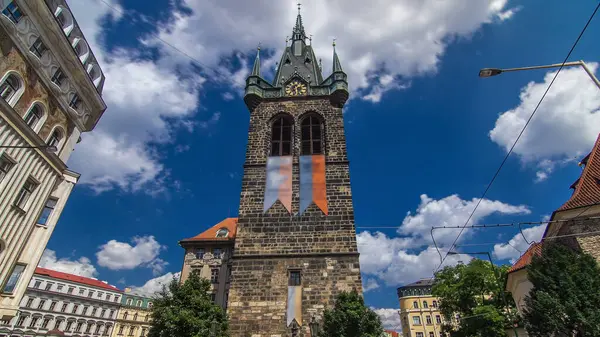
[(522, 131)]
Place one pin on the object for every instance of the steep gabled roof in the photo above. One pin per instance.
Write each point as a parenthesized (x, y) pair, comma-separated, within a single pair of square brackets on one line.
[(75, 279), (525, 259), (587, 187), (211, 234)]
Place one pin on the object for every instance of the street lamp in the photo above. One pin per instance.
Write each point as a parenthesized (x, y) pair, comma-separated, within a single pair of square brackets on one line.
[(47, 148), (315, 329), (489, 72), (497, 277)]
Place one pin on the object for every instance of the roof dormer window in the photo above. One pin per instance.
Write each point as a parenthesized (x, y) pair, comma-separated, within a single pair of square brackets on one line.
[(222, 233)]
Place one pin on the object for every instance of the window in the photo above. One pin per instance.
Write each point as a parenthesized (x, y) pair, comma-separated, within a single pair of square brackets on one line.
[(295, 279), (214, 275), (69, 325), (38, 48), (125, 314), (48, 285), (146, 317), (222, 233), (226, 299), (425, 305), (9, 88), (419, 334), (108, 297), (199, 253), (54, 139), (213, 297), (45, 323), (416, 320), (75, 102), (93, 312), (112, 314), (149, 305), (102, 313), (79, 326), (21, 321), (37, 284), (41, 304), (311, 136), (88, 328), (434, 304), (70, 291), (138, 303), (129, 301), (59, 287), (135, 316), (75, 307), (29, 302), (106, 330), (143, 332), (58, 77), (131, 330), (428, 319), (25, 193), (85, 309), (90, 293), (81, 290), (13, 279), (5, 165), (431, 334), (64, 307), (97, 331), (13, 12), (33, 322), (100, 294), (120, 330), (52, 306), (281, 136), (58, 324), (34, 115), (116, 298), (217, 253), (415, 304)]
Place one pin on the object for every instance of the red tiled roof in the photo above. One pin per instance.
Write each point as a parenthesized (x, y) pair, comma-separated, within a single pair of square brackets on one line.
[(393, 333), (525, 259), (587, 187), (211, 234), (74, 278)]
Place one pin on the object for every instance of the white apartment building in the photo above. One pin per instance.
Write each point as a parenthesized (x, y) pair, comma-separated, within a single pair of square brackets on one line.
[(65, 303), (50, 93)]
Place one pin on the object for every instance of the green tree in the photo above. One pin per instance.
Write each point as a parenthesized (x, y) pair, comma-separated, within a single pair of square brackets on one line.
[(350, 318), (186, 310), (564, 298), (472, 291)]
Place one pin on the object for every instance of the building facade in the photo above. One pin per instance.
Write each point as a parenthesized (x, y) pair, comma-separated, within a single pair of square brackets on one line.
[(70, 304), (419, 310), (50, 92), (577, 218), (209, 254), (134, 316), (295, 246)]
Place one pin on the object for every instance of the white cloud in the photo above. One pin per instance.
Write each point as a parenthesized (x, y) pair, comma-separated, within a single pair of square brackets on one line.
[(154, 285), (228, 96), (411, 255), (82, 266), (564, 127), (369, 284), (517, 245), (508, 14), (117, 255), (389, 318)]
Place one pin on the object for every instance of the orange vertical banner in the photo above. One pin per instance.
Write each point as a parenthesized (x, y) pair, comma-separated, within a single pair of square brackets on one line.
[(319, 185)]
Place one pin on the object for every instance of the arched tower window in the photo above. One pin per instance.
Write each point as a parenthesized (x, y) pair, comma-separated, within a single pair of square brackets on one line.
[(281, 136), (11, 89), (34, 116), (55, 139), (312, 135)]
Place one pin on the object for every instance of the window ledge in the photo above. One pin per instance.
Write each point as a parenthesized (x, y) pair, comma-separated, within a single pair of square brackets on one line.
[(40, 225), (18, 209)]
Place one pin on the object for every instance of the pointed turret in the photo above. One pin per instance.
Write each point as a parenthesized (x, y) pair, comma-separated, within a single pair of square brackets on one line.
[(298, 32), (337, 66), (256, 68)]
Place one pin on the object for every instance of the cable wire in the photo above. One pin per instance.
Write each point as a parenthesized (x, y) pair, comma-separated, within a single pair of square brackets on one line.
[(522, 131)]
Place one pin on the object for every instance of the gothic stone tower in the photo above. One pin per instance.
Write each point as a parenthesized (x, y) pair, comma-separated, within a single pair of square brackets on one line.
[(295, 248)]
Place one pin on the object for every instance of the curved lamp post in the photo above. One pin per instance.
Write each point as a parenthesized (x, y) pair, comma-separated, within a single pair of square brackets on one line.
[(489, 72)]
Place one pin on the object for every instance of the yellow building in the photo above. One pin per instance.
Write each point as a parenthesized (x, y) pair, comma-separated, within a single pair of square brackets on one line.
[(419, 311), (133, 318)]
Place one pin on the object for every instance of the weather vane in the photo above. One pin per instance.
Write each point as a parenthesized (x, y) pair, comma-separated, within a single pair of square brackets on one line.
[(259, 45), (299, 4), (334, 42)]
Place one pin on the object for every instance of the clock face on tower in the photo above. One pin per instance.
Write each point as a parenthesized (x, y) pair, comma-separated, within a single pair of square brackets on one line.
[(295, 88)]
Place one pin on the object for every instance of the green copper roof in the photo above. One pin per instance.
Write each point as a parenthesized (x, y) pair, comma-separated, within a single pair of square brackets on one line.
[(256, 68)]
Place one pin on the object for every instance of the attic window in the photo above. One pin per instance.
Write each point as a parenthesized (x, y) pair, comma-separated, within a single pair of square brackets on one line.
[(307, 60), (287, 61), (222, 233)]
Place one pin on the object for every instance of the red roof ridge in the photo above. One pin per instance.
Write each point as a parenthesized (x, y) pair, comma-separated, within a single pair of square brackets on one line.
[(76, 279), (525, 259), (211, 234), (587, 188)]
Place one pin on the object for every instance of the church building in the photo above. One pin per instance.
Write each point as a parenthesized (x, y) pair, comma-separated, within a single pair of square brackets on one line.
[(293, 249)]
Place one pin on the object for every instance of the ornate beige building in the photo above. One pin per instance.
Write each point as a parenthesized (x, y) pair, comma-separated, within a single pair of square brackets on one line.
[(419, 310), (50, 92), (134, 316)]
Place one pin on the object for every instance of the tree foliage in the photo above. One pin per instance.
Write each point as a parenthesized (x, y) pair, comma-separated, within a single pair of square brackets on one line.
[(473, 291), (350, 318), (186, 310), (565, 294)]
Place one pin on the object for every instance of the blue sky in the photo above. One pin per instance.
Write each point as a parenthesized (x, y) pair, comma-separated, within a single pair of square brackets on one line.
[(424, 133)]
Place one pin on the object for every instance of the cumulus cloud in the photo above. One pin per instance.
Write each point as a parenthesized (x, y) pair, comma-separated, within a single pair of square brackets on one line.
[(411, 255), (389, 318), (144, 252), (152, 286), (81, 266), (369, 284), (564, 127), (517, 245)]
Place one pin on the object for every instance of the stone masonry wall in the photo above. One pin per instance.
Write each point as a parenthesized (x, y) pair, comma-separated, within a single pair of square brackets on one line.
[(589, 243), (268, 245)]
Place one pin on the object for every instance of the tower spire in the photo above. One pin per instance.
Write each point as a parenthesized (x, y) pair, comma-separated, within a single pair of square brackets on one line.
[(256, 68), (337, 65), (298, 33)]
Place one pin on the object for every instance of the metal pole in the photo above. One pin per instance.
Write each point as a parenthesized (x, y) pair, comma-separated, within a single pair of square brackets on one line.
[(558, 65)]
